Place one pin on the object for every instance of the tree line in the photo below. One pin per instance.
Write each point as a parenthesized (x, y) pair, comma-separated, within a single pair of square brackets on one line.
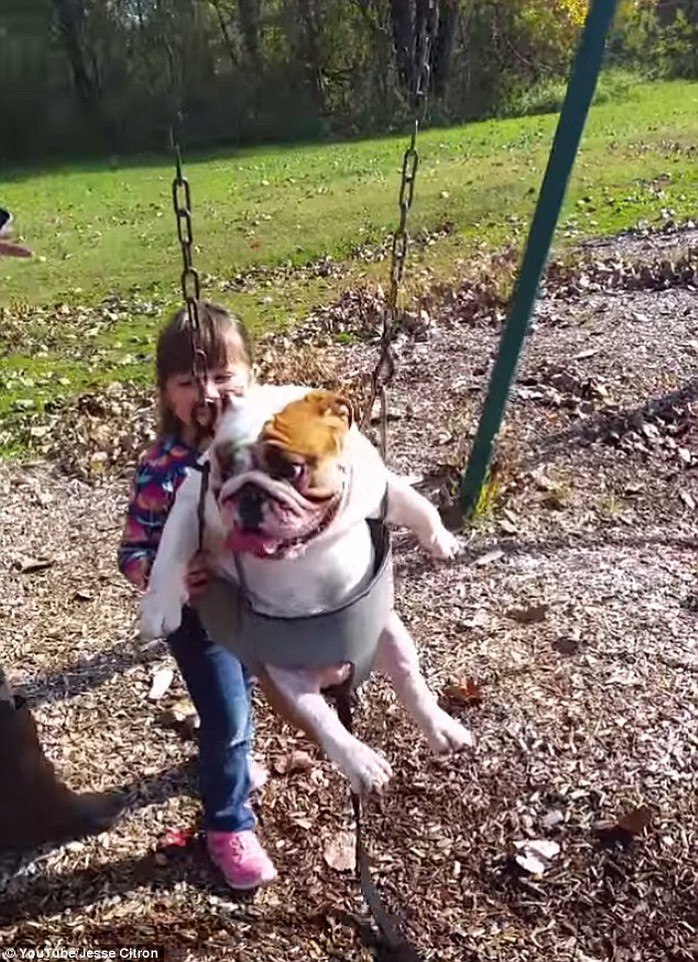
[(93, 77)]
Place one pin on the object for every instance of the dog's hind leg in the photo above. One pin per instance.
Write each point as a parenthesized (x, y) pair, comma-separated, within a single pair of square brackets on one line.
[(397, 658), (295, 695)]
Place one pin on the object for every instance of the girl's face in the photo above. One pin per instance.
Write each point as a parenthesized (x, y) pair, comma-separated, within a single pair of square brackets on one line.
[(180, 392)]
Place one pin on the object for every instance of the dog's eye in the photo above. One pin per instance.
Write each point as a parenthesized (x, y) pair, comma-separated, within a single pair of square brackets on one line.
[(281, 469), (288, 471)]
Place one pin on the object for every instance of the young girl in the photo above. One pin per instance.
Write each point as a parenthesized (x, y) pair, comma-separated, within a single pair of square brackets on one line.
[(217, 682)]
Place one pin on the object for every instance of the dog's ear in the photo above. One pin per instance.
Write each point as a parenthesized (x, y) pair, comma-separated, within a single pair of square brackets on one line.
[(344, 409), (331, 405)]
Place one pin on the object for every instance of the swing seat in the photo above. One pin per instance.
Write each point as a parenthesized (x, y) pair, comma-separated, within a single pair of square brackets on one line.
[(347, 633)]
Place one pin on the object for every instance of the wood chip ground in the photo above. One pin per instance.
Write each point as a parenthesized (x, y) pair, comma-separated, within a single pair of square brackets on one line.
[(565, 636)]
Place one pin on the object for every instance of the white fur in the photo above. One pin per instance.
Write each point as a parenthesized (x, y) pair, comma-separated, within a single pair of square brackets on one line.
[(333, 565)]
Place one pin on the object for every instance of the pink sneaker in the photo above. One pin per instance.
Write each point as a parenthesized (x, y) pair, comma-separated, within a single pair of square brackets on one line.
[(241, 859)]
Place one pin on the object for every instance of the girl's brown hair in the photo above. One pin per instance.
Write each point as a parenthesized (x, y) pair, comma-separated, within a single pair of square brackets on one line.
[(174, 353)]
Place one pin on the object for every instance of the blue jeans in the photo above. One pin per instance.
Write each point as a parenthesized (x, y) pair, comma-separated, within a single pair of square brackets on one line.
[(220, 689)]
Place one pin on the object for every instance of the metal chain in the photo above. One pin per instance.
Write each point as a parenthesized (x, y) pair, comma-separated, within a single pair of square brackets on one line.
[(205, 411), (384, 372), (191, 289)]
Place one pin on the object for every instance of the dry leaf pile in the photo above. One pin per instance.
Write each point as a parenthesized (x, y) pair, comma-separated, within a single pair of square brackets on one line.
[(563, 636)]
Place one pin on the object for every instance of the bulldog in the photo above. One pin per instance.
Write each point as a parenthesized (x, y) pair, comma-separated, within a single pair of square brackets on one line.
[(292, 483)]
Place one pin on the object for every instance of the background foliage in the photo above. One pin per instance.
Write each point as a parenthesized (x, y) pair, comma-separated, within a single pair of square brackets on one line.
[(89, 77)]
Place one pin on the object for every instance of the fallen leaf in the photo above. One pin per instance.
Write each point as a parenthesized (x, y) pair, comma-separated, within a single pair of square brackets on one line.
[(627, 827), (182, 716), (466, 692), (304, 823), (82, 596), (489, 557), (544, 847), (535, 854), (554, 501), (340, 852), (636, 821), (29, 565), (182, 709), (688, 500), (162, 680), (541, 481), (566, 646), (531, 615), (295, 762), (177, 838), (553, 818), (511, 517)]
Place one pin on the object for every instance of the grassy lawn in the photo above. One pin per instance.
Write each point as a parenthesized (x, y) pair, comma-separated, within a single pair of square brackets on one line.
[(108, 231)]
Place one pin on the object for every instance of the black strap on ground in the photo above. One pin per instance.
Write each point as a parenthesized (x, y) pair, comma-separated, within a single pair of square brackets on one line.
[(391, 945)]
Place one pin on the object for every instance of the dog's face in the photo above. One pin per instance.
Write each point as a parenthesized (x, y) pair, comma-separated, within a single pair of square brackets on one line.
[(279, 490)]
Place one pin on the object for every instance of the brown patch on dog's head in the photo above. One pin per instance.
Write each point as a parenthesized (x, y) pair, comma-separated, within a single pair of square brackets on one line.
[(308, 432), (313, 428)]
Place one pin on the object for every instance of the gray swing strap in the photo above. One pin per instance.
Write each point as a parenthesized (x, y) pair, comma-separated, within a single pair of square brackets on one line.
[(347, 633)]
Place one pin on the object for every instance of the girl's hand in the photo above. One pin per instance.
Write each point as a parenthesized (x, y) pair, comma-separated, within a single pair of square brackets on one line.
[(197, 576)]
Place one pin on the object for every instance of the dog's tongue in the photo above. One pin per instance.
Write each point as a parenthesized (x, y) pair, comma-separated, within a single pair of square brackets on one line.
[(261, 546), (252, 542)]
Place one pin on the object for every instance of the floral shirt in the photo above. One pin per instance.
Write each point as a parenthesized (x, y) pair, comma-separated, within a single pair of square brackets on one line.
[(157, 478)]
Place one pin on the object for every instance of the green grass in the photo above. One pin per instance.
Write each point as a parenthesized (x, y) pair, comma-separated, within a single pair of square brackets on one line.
[(100, 230)]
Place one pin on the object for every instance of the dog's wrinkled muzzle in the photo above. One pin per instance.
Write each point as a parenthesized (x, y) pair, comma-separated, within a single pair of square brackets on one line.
[(249, 506), (268, 518)]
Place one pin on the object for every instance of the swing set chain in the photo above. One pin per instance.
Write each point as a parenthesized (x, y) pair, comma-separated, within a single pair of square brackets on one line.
[(191, 287), (384, 371), (204, 413)]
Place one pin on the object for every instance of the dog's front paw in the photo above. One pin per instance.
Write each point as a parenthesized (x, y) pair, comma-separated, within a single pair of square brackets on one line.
[(367, 771), (445, 734), (442, 544), (160, 614)]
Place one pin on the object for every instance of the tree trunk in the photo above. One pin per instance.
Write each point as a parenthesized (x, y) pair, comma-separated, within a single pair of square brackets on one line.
[(443, 45), (71, 23), (312, 54), (249, 28), (227, 39), (403, 39)]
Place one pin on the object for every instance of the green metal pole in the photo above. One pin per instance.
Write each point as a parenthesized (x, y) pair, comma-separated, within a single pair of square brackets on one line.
[(575, 109)]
